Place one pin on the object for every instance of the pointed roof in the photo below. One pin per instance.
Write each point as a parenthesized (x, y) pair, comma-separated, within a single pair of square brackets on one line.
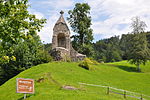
[(61, 18), (61, 21)]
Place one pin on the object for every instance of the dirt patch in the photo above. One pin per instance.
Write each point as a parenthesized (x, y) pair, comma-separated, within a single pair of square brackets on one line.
[(40, 80)]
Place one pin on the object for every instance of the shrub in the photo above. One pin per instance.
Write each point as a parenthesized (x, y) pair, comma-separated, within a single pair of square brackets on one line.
[(95, 62), (92, 61), (86, 63), (42, 57)]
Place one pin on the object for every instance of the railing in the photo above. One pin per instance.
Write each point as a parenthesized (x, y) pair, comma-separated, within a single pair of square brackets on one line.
[(125, 93)]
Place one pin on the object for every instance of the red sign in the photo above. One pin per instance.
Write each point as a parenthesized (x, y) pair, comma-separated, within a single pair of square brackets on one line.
[(25, 85)]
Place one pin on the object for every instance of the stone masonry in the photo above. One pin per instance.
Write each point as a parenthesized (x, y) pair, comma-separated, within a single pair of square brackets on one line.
[(61, 40)]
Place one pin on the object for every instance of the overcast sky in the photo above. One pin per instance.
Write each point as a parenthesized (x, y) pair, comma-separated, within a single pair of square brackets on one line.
[(109, 17)]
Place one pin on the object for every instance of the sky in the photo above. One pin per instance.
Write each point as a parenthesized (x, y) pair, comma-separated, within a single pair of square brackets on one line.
[(109, 17)]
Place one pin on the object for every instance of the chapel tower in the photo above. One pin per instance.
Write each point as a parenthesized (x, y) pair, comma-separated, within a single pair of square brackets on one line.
[(61, 40), (61, 34)]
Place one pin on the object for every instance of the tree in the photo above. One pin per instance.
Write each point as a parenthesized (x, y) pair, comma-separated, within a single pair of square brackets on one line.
[(148, 38), (108, 50), (80, 22), (137, 25), (20, 46), (125, 45), (138, 52), (16, 23)]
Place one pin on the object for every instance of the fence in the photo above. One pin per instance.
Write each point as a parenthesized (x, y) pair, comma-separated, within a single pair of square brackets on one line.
[(125, 93)]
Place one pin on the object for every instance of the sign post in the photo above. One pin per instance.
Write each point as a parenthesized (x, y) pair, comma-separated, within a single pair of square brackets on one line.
[(25, 86), (24, 95)]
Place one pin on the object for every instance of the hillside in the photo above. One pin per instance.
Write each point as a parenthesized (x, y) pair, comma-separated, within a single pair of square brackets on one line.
[(50, 77)]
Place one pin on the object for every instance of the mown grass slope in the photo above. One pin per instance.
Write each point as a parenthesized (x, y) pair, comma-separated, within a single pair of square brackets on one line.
[(57, 74)]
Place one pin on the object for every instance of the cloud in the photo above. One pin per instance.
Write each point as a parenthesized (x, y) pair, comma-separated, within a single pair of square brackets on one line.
[(47, 31), (118, 14), (109, 17), (38, 15), (57, 4), (53, 15)]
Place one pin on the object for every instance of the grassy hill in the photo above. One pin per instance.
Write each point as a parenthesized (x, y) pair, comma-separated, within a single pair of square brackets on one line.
[(51, 77)]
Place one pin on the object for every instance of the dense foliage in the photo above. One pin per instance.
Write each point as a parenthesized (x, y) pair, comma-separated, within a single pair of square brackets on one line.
[(80, 22), (139, 52), (116, 48), (20, 46), (108, 50), (134, 46)]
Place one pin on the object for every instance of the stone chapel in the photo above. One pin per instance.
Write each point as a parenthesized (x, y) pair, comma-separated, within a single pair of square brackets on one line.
[(61, 40)]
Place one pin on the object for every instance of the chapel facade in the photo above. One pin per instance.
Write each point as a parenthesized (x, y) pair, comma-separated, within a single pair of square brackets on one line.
[(61, 41)]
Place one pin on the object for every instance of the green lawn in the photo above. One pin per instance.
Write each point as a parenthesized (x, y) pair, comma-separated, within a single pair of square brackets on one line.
[(120, 75)]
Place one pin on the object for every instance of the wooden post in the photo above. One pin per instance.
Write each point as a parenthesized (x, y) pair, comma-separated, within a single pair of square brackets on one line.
[(124, 94), (141, 97), (24, 95), (107, 90)]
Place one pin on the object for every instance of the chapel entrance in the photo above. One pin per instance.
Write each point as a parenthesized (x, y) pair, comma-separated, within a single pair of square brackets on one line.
[(61, 40)]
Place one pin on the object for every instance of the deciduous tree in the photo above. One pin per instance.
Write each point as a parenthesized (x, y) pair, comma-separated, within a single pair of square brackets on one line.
[(80, 21), (19, 42), (138, 52)]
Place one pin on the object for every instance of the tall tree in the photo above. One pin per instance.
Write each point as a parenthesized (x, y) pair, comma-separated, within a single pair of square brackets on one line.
[(80, 21), (138, 51), (19, 42), (16, 23)]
